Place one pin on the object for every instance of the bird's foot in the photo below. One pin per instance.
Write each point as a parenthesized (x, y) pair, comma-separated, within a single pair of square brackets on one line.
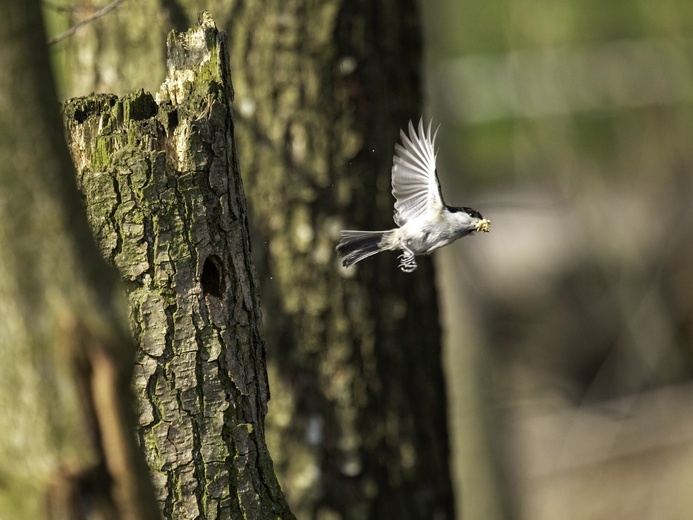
[(407, 262)]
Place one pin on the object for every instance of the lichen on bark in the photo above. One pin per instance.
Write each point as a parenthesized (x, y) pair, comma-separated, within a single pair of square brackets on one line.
[(164, 197)]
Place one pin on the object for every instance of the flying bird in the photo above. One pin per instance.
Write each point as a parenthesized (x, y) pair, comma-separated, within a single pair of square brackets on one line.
[(424, 221)]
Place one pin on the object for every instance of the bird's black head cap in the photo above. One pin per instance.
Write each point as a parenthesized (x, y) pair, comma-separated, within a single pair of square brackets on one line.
[(471, 212)]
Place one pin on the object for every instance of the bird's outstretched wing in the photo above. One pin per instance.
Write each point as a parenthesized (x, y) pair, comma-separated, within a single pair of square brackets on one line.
[(414, 181)]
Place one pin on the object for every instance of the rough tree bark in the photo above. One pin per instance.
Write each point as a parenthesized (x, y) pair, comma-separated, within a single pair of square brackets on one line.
[(357, 423), (67, 440), (165, 200)]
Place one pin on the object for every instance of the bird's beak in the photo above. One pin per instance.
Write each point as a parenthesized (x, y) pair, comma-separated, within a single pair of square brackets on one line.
[(483, 225)]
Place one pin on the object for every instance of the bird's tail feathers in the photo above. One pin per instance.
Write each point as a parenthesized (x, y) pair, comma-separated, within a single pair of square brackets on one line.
[(357, 245)]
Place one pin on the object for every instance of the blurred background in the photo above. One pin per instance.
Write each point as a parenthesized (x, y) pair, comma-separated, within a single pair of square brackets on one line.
[(568, 348)]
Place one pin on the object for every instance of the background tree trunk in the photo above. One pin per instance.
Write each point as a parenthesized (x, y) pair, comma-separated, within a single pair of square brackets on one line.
[(357, 425), (66, 428), (166, 202)]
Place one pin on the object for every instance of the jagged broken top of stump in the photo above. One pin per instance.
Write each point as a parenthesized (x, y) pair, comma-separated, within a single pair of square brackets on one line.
[(200, 50)]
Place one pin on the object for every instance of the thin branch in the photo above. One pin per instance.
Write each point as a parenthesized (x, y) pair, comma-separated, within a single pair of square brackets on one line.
[(98, 14)]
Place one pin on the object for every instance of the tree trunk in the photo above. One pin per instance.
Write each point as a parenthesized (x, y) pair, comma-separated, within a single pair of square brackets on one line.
[(67, 440), (165, 200), (357, 425)]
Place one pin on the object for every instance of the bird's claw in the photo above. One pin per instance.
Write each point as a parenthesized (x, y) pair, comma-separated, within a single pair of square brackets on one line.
[(407, 262)]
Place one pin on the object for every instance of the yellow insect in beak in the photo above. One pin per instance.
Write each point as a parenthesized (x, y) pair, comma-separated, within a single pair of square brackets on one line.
[(483, 225)]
